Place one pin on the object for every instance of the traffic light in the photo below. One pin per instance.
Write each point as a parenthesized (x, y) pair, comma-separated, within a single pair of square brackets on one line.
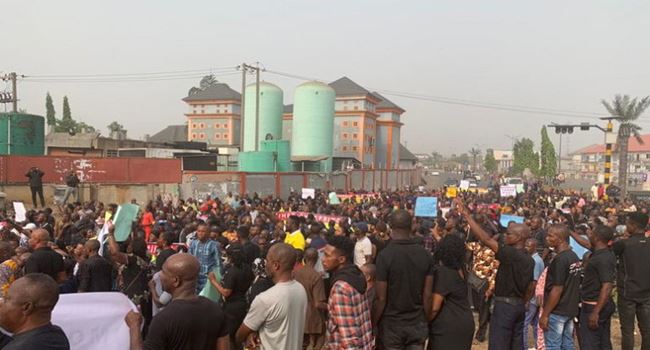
[(559, 129), (584, 126)]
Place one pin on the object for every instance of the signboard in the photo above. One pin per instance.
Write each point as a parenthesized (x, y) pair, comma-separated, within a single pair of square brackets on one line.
[(506, 219), (426, 207), (452, 192), (319, 217), (308, 192), (464, 185), (21, 212), (126, 214), (508, 191)]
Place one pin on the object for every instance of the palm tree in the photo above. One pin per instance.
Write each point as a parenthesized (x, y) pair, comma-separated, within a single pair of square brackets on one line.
[(475, 153), (626, 111), (206, 82)]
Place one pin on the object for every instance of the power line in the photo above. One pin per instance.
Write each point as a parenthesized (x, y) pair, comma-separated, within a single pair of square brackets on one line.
[(133, 74), (126, 79)]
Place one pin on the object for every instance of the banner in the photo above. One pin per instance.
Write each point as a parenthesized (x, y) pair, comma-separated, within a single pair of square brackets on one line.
[(21, 212), (308, 192), (426, 207), (506, 219), (319, 217), (508, 191), (94, 321), (452, 192), (464, 185), (153, 247)]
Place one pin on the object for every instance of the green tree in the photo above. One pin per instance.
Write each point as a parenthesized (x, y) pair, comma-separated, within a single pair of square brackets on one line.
[(67, 114), (49, 110), (548, 159), (490, 163), (525, 157), (626, 111), (115, 129), (206, 82)]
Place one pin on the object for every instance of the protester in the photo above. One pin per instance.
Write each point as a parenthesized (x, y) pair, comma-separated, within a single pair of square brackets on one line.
[(514, 282), (72, 184), (561, 291), (363, 246), (452, 322), (532, 311), (44, 259), (404, 282), (207, 252), (633, 251), (349, 323), (95, 273), (189, 321), (316, 300), (26, 311), (35, 176), (277, 315), (295, 237)]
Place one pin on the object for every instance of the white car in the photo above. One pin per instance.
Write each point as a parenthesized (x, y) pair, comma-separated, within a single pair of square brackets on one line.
[(435, 173)]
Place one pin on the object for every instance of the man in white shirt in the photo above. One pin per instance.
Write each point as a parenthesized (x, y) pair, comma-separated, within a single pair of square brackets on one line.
[(278, 314), (363, 246)]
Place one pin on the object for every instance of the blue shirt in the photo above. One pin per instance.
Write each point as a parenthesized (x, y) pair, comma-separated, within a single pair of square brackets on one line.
[(537, 271), (208, 255)]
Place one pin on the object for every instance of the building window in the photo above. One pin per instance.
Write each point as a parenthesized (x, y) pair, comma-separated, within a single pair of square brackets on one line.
[(225, 136), (202, 111), (202, 106), (345, 108), (201, 125), (355, 148), (356, 108), (111, 153), (217, 136), (202, 136), (355, 123), (344, 148), (345, 135), (355, 136), (193, 136), (194, 111), (346, 124), (217, 125)]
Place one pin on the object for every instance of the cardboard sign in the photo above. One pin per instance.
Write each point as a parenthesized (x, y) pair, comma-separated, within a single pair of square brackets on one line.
[(21, 212), (508, 191), (334, 199), (126, 214), (464, 185), (577, 248), (308, 192), (452, 192), (426, 207), (506, 219), (319, 217)]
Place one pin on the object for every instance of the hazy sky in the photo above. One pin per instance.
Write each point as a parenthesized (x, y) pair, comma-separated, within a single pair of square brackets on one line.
[(564, 55)]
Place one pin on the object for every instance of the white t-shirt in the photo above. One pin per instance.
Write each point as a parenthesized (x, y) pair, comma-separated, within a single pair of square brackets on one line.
[(278, 315), (362, 248)]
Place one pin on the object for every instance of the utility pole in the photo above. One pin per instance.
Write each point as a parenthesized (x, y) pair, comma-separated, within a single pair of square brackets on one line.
[(241, 108), (559, 157), (13, 77), (257, 106)]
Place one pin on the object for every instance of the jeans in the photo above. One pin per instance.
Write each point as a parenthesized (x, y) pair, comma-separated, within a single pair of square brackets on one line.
[(70, 191), (506, 326), (596, 339), (531, 319), (559, 335), (403, 337), (39, 191), (627, 310)]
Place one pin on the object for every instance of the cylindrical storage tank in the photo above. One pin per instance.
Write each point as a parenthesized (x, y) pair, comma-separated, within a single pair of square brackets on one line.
[(22, 134), (257, 162), (282, 149), (313, 123), (271, 107)]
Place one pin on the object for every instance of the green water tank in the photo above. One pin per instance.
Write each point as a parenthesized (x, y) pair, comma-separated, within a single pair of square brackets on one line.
[(282, 149), (22, 134), (271, 107), (313, 123), (257, 162)]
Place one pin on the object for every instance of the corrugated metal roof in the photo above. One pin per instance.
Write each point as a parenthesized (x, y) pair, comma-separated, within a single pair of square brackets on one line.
[(386, 103), (405, 154), (346, 87), (633, 146), (171, 134), (219, 91)]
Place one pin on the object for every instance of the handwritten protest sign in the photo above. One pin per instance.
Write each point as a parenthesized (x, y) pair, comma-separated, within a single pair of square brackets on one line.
[(426, 207), (506, 219)]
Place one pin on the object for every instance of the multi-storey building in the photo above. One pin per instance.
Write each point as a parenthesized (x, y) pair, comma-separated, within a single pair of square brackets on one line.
[(214, 116), (590, 161)]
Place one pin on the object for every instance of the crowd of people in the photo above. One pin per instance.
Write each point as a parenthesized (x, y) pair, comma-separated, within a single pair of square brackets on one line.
[(360, 273)]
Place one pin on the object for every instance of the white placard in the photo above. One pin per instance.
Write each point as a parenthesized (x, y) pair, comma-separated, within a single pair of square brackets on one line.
[(21, 212), (94, 321), (508, 191), (464, 185), (308, 192)]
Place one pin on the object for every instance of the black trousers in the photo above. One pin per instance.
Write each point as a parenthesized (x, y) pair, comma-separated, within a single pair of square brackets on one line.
[(628, 310), (507, 326), (482, 306), (39, 191), (600, 338)]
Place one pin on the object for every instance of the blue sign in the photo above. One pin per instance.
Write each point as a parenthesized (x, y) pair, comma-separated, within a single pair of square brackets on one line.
[(506, 219), (577, 248), (426, 207)]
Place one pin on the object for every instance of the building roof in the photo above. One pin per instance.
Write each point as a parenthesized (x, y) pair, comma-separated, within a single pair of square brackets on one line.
[(386, 103), (633, 146), (170, 134), (405, 154), (346, 87), (288, 109), (219, 91)]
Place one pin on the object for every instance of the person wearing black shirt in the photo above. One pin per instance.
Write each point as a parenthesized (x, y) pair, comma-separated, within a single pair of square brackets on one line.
[(26, 311), (233, 287), (189, 322), (164, 244), (72, 182), (95, 273), (35, 176), (514, 282), (561, 291), (44, 259), (633, 251), (404, 281), (596, 291), (251, 251)]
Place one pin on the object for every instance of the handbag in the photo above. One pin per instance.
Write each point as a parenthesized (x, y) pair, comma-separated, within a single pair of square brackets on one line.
[(476, 283)]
